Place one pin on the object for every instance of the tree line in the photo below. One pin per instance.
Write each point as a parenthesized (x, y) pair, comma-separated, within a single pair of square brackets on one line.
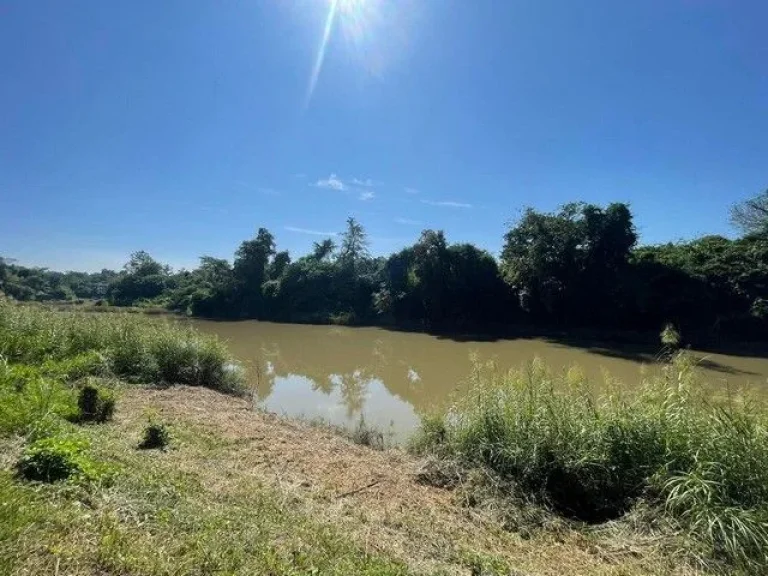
[(579, 266)]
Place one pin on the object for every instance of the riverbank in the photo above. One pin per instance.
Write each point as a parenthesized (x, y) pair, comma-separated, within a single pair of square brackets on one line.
[(641, 344), (133, 445), (245, 492)]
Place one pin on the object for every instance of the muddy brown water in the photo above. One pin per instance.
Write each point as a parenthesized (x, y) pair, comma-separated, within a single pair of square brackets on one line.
[(339, 374)]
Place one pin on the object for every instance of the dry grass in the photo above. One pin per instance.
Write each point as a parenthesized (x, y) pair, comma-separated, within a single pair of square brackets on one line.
[(375, 497)]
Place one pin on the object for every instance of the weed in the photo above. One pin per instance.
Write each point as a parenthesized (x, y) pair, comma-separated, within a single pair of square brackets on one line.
[(95, 404), (30, 403), (366, 435), (58, 458), (156, 435)]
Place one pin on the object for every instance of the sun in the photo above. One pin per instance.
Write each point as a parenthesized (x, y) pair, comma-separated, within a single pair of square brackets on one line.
[(350, 6), (355, 18)]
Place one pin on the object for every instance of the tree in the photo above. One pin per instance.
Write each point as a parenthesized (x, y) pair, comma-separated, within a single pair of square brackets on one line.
[(142, 264), (354, 245), (143, 278), (566, 266), (477, 294), (323, 250), (751, 216), (214, 271), (431, 271), (279, 263), (250, 271)]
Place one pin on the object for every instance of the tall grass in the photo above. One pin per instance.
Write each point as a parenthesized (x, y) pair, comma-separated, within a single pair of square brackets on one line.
[(132, 347), (704, 465)]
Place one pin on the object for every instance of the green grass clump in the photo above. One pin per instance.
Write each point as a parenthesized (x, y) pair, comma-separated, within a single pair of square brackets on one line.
[(59, 458), (95, 404), (156, 436), (591, 458), (132, 347), (30, 402)]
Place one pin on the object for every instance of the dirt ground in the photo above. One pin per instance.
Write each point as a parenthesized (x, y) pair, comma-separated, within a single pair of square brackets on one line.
[(375, 496)]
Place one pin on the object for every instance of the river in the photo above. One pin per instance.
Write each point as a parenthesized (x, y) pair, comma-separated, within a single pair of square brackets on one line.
[(339, 374)]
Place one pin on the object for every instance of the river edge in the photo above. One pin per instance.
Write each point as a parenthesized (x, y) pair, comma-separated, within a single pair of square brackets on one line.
[(226, 454), (645, 343)]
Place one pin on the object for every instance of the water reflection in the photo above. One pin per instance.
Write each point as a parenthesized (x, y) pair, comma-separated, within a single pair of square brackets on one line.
[(339, 374)]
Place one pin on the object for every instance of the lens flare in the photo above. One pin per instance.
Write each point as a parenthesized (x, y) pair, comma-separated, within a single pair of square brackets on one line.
[(321, 51), (374, 33)]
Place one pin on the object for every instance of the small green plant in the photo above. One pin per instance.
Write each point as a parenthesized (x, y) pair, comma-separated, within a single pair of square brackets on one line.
[(27, 401), (95, 404), (58, 458), (670, 337), (366, 435), (156, 436)]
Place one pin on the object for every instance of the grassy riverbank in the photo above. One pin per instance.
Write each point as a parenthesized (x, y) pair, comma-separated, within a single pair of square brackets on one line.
[(701, 467), (513, 471)]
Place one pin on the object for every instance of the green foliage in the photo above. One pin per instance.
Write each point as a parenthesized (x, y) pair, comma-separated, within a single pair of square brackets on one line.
[(670, 337), (59, 458), (250, 272), (29, 402), (567, 265), (133, 347), (156, 436), (40, 284), (577, 266), (593, 458), (156, 519), (18, 511), (751, 216), (354, 245), (710, 282), (95, 404)]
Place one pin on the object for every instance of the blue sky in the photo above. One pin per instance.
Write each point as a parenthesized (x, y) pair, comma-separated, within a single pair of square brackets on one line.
[(180, 127)]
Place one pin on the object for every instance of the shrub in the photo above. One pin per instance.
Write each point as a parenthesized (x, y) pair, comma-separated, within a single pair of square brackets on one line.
[(156, 435), (95, 404), (58, 458), (592, 458)]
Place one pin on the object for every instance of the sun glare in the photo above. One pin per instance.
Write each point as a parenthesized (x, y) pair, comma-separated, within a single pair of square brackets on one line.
[(347, 6), (355, 18)]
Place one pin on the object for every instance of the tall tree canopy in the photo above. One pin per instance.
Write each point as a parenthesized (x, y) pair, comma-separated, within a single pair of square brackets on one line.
[(751, 216), (576, 266), (566, 265)]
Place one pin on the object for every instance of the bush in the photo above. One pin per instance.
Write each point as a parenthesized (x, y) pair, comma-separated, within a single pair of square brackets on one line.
[(155, 436), (58, 458), (592, 458), (95, 404)]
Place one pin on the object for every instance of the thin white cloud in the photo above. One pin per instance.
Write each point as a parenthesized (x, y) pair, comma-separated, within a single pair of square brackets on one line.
[(333, 182), (269, 191), (366, 195), (368, 183), (410, 190), (308, 231), (447, 203), (408, 222)]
